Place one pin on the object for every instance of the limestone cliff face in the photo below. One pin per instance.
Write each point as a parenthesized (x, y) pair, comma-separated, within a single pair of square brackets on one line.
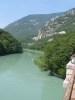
[(58, 25)]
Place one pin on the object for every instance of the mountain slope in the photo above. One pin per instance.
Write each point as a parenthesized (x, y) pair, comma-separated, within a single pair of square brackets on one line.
[(26, 28), (64, 24), (8, 44)]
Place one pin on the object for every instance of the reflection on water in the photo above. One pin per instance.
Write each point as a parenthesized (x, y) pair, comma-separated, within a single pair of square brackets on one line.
[(20, 79)]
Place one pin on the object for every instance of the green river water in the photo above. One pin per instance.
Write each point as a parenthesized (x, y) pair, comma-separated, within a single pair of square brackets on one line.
[(20, 79)]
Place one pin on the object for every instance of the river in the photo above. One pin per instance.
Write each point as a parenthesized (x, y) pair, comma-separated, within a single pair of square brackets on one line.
[(20, 79)]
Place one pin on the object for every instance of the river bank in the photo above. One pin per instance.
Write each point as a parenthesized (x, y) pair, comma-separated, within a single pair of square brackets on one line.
[(41, 52), (40, 63)]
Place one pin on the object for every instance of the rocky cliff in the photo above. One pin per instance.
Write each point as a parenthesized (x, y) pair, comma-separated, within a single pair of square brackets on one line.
[(58, 25)]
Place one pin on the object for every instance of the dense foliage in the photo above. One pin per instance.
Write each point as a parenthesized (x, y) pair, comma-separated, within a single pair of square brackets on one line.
[(40, 44), (57, 54), (8, 44)]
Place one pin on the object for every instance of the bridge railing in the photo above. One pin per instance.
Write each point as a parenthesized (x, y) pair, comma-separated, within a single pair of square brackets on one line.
[(68, 91)]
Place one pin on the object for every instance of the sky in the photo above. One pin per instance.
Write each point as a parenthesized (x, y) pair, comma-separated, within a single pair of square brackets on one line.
[(12, 10)]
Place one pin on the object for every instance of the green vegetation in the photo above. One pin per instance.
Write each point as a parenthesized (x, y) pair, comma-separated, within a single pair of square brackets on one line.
[(27, 28), (57, 54), (68, 23), (40, 62), (34, 51), (40, 44), (8, 44)]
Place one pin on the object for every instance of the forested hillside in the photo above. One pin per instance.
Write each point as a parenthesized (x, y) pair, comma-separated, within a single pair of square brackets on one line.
[(26, 28), (8, 44), (58, 51), (57, 54), (58, 25)]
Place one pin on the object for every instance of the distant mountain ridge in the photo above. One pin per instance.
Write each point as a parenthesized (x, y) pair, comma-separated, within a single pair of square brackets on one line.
[(39, 26), (59, 24), (26, 28)]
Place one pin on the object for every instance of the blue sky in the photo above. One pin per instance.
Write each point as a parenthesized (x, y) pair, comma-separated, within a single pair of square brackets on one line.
[(11, 10)]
